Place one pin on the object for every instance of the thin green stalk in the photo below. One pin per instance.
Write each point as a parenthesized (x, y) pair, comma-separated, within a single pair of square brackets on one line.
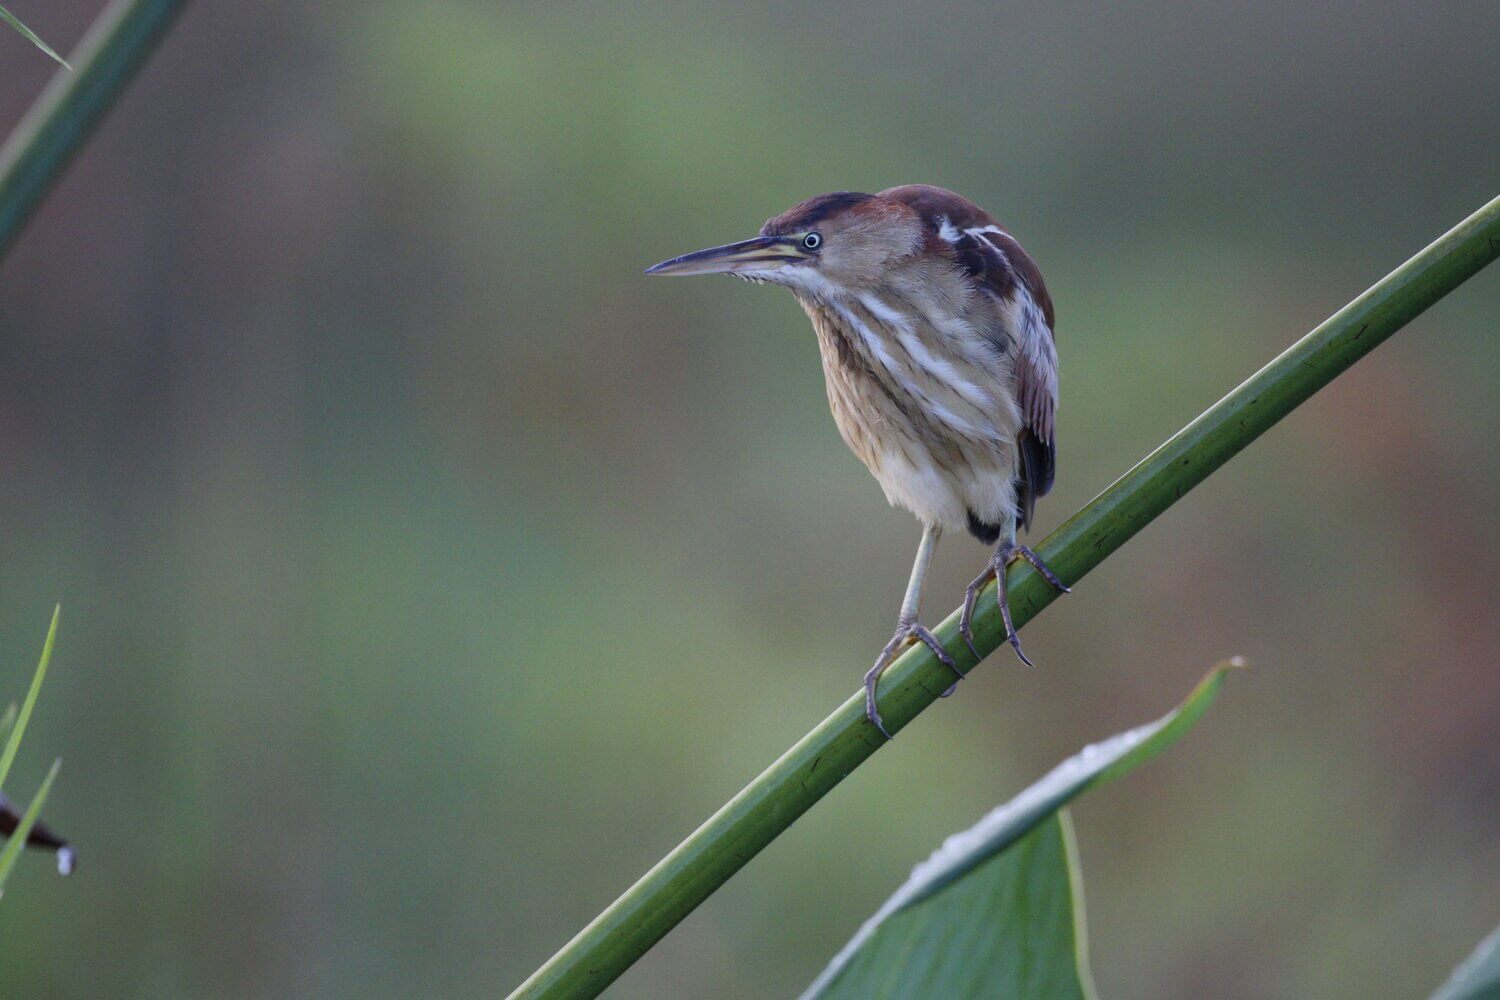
[(11, 852), (824, 757), (31, 36), (13, 741), (72, 103)]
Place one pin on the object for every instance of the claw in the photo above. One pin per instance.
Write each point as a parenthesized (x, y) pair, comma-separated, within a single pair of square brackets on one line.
[(1045, 571), (906, 632), (971, 598), (1001, 562), (871, 712), (997, 570)]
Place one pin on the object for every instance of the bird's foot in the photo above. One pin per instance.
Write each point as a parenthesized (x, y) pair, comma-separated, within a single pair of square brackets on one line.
[(999, 564), (907, 632)]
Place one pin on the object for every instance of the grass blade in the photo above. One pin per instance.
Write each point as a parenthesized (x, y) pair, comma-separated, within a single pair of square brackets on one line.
[(8, 757), (27, 33), (7, 720), (72, 104), (41, 836), (17, 841)]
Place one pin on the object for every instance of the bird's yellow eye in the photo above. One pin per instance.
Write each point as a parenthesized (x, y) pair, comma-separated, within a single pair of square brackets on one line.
[(812, 241)]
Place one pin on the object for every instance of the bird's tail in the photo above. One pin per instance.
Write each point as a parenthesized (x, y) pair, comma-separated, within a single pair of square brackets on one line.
[(1038, 460)]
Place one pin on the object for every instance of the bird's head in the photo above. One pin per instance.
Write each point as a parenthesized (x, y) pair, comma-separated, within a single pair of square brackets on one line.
[(840, 242)]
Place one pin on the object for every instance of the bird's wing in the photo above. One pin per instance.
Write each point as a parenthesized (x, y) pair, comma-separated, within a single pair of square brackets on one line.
[(997, 264)]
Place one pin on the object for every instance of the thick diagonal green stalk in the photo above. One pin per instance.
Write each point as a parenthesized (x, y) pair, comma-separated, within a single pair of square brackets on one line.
[(841, 742), (72, 103)]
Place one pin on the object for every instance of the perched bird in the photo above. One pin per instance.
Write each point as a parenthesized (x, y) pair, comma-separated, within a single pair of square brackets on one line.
[(935, 332)]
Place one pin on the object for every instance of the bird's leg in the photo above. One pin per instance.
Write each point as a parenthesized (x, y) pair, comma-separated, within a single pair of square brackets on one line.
[(1007, 552), (907, 628)]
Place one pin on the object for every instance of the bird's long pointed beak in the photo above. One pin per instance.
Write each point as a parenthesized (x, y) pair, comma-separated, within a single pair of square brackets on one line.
[(745, 257)]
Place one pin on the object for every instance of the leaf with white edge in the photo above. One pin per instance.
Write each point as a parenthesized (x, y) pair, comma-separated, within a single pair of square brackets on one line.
[(1478, 976), (1012, 928), (946, 930)]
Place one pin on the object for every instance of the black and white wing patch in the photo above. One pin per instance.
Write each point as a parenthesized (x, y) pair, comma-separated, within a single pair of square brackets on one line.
[(998, 264), (995, 262)]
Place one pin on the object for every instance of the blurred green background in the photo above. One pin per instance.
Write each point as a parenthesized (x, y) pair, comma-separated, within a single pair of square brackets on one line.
[(427, 573)]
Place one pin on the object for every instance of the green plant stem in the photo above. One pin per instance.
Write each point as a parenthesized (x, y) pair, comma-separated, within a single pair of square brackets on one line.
[(31, 36), (13, 740), (72, 103), (16, 843), (840, 743)]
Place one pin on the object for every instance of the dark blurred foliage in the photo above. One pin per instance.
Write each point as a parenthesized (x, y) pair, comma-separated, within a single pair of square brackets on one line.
[(427, 573)]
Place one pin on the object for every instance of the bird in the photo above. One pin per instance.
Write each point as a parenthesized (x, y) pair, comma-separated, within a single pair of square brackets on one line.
[(935, 332)]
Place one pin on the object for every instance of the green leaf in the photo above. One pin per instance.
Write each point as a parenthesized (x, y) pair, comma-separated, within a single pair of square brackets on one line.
[(14, 742), (15, 22), (17, 840), (997, 911), (1013, 928), (1478, 976)]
